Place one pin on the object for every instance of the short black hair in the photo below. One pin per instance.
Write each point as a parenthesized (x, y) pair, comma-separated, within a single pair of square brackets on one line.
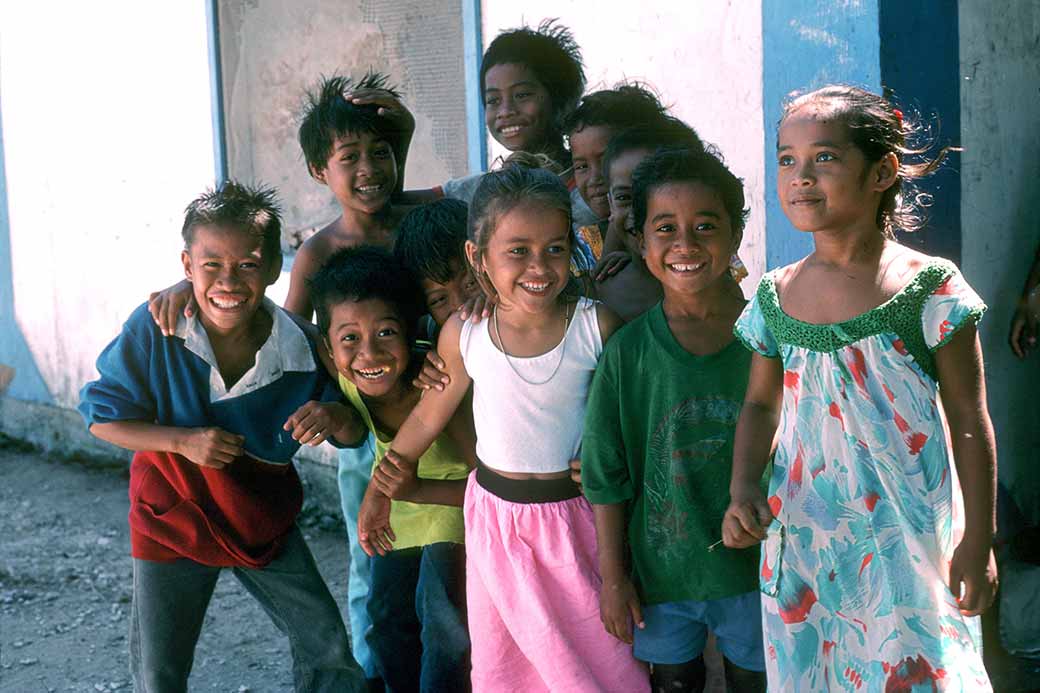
[(686, 166), (550, 52), (363, 272), (666, 133), (626, 105), (430, 240), (233, 205), (328, 114)]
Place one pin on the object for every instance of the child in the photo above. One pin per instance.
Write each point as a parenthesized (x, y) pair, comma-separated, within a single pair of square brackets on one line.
[(659, 432), (354, 139), (868, 581), (368, 306), (633, 290), (349, 148), (430, 245), (531, 578), (212, 483), (589, 127), (529, 79), (351, 138)]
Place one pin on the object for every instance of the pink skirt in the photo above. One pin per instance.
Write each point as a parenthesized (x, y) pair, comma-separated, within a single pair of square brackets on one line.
[(532, 591)]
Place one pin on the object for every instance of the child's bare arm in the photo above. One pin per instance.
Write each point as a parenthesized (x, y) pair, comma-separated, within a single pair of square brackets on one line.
[(206, 447), (374, 532), (618, 602), (396, 479), (305, 264), (963, 390), (609, 321), (315, 422), (433, 412), (748, 514), (1023, 335), (167, 305)]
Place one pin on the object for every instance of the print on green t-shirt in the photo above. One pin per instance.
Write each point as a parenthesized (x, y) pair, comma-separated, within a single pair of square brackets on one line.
[(659, 437)]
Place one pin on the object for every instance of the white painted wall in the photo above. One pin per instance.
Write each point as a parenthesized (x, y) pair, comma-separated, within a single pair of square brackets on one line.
[(705, 60), (107, 135), (1000, 215)]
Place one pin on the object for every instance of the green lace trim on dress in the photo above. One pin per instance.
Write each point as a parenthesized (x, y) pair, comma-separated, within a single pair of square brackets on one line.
[(901, 315)]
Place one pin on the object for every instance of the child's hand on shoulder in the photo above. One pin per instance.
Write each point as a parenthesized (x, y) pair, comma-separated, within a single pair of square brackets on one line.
[(477, 308), (374, 532), (619, 608), (746, 518), (974, 566), (432, 376), (610, 264), (210, 447), (167, 305), (395, 477), (316, 422)]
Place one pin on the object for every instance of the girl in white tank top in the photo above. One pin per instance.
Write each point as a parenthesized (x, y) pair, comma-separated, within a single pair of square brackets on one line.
[(532, 580)]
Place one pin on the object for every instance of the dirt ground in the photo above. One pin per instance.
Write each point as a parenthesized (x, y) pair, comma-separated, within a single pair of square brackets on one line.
[(65, 578)]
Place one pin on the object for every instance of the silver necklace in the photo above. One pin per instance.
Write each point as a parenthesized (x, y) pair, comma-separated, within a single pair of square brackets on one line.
[(505, 353)]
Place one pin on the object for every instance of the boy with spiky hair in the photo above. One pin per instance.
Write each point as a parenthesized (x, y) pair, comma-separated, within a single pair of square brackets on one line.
[(214, 413), (354, 140)]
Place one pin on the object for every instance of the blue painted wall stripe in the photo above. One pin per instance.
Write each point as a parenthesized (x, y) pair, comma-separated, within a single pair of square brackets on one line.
[(807, 44), (920, 72), (216, 86), (473, 51), (28, 384)]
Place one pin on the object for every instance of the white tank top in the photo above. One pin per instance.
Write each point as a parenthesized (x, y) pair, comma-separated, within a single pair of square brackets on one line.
[(529, 428)]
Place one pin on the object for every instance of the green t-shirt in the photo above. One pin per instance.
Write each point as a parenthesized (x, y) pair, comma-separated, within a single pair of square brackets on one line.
[(419, 524), (658, 436)]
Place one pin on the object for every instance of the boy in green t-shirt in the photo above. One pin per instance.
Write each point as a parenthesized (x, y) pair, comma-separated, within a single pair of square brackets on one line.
[(658, 443)]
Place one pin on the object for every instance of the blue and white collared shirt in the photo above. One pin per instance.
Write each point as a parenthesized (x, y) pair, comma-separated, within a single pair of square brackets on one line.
[(175, 381)]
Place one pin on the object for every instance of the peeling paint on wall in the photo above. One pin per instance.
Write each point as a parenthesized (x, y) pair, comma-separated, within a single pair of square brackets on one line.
[(273, 52)]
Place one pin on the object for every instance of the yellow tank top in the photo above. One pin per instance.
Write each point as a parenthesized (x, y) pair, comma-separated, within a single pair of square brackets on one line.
[(419, 524)]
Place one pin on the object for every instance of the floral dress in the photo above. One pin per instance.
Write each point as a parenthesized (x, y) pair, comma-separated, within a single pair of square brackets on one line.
[(855, 567)]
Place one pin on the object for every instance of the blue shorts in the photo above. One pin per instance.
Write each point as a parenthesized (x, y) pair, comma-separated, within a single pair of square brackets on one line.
[(676, 632)]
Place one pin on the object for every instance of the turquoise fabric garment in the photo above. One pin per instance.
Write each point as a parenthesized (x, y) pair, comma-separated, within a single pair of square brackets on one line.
[(855, 569)]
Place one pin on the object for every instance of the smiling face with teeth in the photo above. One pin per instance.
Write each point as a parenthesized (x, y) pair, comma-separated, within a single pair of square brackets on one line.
[(517, 108), (228, 275), (369, 345), (527, 257), (688, 236), (361, 172)]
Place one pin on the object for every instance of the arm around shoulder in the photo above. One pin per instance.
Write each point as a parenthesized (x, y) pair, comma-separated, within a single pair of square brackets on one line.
[(436, 407)]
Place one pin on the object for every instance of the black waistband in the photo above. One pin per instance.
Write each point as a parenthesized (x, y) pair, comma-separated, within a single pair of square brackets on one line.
[(526, 490)]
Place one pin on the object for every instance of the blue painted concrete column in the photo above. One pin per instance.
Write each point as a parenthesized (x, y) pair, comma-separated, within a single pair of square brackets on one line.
[(216, 79), (473, 35), (806, 44), (28, 384), (920, 71)]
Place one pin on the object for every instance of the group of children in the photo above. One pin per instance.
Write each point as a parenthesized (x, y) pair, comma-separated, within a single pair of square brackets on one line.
[(569, 490)]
